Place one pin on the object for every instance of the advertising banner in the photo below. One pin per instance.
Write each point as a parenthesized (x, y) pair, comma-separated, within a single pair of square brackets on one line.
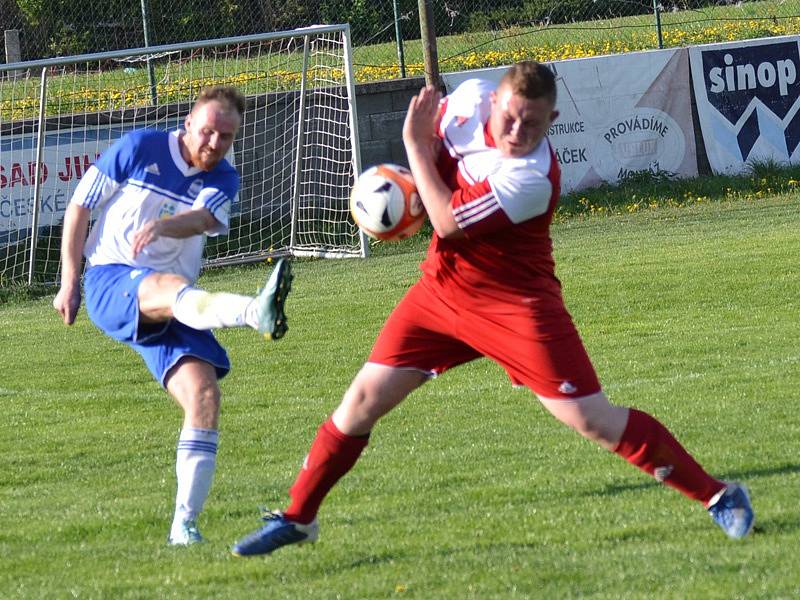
[(619, 115), (747, 101), (65, 158)]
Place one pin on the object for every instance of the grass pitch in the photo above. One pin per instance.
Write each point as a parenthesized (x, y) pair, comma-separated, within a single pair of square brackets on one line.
[(468, 489)]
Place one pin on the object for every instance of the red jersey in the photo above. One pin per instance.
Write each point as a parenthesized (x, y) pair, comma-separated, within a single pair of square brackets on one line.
[(503, 205), (493, 293)]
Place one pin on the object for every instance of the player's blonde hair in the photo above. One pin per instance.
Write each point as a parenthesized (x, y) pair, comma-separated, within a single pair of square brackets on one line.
[(530, 80), (225, 94)]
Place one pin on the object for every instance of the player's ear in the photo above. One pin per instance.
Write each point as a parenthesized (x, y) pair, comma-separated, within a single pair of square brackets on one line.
[(187, 122), (554, 116)]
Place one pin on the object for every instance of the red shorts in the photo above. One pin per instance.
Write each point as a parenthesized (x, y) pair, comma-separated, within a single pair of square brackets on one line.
[(433, 330)]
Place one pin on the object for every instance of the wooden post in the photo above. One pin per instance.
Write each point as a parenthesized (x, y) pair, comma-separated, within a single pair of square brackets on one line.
[(428, 34), (151, 72), (13, 49), (398, 36)]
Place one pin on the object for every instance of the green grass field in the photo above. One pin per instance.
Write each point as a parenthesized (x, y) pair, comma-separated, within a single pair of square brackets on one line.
[(468, 489)]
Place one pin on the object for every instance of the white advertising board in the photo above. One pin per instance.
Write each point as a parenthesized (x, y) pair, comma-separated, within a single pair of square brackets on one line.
[(618, 115), (65, 157), (747, 101)]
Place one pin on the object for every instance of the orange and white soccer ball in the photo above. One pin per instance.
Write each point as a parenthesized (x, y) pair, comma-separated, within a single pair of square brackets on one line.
[(385, 203)]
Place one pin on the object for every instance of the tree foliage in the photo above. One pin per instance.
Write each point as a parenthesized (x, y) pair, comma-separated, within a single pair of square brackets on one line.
[(57, 27)]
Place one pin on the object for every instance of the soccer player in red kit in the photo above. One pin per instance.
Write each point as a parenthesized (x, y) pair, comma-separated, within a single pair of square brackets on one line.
[(489, 181)]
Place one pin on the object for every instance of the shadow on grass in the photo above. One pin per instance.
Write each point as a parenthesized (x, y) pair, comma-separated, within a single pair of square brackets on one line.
[(744, 476), (374, 559)]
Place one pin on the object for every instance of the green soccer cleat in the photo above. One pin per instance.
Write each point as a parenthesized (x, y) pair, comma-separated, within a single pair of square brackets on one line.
[(184, 533), (271, 300)]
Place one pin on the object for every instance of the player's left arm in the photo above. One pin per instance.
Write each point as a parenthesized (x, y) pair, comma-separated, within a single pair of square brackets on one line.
[(183, 225), (519, 191), (209, 214), (421, 142)]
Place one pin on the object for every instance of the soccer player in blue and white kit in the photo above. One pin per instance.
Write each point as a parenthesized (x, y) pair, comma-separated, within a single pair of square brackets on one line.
[(155, 196)]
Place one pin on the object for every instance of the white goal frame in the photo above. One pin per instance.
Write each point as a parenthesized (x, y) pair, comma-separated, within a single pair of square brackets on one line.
[(297, 151)]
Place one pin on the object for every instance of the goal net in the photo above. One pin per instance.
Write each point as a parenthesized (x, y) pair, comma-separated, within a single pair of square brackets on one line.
[(296, 152)]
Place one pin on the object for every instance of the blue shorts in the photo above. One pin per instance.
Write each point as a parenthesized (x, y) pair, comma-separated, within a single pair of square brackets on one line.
[(111, 302)]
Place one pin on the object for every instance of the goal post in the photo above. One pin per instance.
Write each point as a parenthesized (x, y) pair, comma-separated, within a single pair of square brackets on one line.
[(297, 150)]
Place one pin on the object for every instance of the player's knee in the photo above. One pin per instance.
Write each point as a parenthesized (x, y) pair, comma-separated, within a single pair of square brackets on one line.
[(602, 426), (202, 404), (157, 293), (363, 403), (588, 427), (357, 397), (157, 283)]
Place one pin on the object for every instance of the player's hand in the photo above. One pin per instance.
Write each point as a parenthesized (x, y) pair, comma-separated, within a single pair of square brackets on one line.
[(148, 233), (67, 302), (422, 118)]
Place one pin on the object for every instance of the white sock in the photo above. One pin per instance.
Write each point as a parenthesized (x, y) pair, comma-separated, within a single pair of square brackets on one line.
[(194, 466), (203, 310)]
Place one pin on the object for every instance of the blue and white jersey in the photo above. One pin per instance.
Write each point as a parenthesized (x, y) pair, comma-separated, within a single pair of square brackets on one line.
[(143, 177)]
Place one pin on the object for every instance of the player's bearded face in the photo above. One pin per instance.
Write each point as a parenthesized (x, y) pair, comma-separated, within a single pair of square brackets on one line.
[(518, 124), (210, 129)]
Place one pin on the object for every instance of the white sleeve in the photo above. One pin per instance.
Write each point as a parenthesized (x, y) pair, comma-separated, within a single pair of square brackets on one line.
[(522, 188), (94, 189), (218, 203)]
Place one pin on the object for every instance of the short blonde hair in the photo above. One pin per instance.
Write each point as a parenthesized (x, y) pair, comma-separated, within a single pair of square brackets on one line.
[(530, 80), (222, 93)]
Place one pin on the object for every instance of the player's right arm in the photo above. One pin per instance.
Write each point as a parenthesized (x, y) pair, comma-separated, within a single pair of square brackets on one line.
[(96, 187), (420, 140), (76, 226)]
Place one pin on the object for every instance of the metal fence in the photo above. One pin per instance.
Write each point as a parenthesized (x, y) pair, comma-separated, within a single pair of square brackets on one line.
[(386, 33)]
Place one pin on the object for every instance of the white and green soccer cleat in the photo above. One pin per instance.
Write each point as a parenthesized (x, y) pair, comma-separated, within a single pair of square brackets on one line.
[(184, 533), (271, 300)]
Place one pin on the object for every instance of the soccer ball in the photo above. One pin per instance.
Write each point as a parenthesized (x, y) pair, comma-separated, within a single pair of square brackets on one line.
[(385, 203)]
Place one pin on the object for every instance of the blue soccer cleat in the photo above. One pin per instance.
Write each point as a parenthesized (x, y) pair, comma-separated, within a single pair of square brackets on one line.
[(271, 299), (277, 531), (732, 511), (184, 533)]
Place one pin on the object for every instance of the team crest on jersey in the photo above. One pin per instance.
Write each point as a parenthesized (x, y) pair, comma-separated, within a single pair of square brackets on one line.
[(168, 209), (195, 188)]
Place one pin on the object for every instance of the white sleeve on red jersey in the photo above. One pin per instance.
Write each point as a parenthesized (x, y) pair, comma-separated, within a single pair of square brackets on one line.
[(519, 190), (521, 185)]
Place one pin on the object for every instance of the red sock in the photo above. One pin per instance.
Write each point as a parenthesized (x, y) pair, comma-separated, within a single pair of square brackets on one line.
[(332, 454), (647, 444)]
